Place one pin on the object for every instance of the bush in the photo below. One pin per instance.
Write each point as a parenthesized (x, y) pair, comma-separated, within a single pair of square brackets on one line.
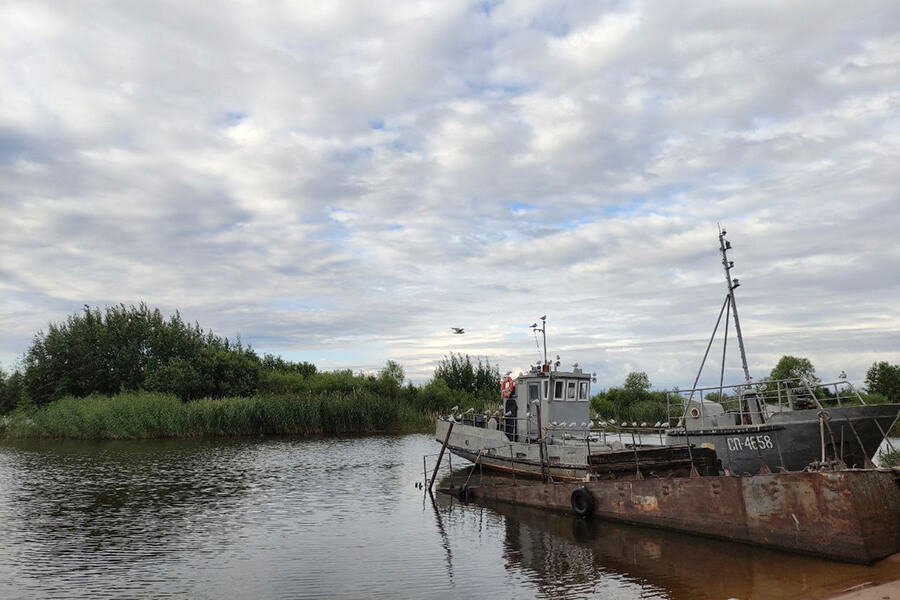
[(132, 348), (632, 402)]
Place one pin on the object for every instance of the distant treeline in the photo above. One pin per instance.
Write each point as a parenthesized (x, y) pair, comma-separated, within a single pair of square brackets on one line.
[(128, 372), (635, 401)]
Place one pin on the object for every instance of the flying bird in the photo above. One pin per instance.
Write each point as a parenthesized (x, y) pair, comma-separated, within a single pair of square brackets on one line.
[(843, 375), (458, 330)]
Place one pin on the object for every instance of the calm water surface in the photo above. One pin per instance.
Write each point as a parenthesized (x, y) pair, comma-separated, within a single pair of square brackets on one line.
[(335, 518)]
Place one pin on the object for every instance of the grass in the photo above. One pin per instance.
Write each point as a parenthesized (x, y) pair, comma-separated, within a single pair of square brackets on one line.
[(141, 415), (889, 459)]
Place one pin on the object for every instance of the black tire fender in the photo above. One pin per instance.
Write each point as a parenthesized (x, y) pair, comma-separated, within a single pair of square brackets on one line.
[(582, 502), (464, 493)]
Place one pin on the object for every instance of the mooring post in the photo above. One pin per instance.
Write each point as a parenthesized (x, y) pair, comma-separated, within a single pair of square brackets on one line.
[(440, 456)]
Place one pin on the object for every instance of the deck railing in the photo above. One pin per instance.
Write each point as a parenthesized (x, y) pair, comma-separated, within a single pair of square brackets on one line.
[(773, 396)]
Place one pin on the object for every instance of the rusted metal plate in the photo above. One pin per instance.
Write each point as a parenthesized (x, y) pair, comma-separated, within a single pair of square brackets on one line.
[(848, 515)]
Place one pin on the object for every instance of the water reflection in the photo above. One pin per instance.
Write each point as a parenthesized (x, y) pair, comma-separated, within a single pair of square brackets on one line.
[(573, 557), (333, 518), (178, 517)]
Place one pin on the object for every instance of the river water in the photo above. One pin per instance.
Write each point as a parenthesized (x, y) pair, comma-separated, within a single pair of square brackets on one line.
[(336, 518)]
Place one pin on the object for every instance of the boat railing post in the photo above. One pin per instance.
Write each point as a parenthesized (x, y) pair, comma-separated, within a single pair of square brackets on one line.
[(512, 460), (856, 393), (477, 460), (637, 462)]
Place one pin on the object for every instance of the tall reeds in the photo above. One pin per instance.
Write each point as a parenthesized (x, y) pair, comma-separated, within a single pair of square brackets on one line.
[(135, 415)]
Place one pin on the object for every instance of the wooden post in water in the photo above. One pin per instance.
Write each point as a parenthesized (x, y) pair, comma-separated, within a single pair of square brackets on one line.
[(440, 456)]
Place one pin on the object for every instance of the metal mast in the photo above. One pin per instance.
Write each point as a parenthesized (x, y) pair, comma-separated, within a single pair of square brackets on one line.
[(753, 403), (732, 284)]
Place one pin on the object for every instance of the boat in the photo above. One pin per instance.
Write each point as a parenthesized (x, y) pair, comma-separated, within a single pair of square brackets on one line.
[(543, 430), (543, 427), (782, 425)]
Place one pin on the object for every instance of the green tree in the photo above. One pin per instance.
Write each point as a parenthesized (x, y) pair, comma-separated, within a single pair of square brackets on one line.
[(633, 401), (129, 348), (637, 382), (12, 390), (393, 371), (884, 378), (793, 367), (278, 364)]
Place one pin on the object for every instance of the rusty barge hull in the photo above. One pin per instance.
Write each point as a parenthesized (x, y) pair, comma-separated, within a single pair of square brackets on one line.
[(850, 516)]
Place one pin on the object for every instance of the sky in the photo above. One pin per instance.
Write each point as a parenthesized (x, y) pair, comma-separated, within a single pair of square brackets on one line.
[(343, 182)]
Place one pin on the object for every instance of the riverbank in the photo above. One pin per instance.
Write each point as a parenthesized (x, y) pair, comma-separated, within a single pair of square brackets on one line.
[(145, 415)]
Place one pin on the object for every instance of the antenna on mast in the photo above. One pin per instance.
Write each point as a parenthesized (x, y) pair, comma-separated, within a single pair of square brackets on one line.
[(543, 330), (732, 284)]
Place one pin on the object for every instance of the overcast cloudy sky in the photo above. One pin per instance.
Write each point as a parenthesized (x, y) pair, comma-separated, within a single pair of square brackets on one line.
[(342, 182)]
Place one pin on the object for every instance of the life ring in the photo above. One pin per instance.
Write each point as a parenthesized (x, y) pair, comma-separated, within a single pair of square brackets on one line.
[(506, 387), (582, 502)]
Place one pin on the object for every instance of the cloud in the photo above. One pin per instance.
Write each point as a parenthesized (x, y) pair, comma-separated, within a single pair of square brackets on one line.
[(346, 182)]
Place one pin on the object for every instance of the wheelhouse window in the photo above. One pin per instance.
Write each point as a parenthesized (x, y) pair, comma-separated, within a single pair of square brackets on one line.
[(570, 391), (583, 390), (546, 389), (533, 391), (558, 390)]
